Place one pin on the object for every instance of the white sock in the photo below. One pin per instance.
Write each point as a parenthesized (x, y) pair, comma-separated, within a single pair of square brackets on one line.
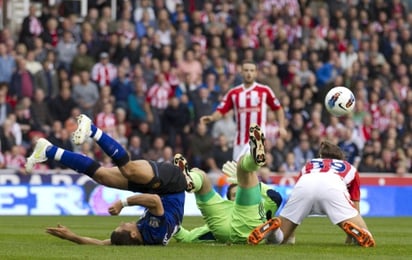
[(98, 134)]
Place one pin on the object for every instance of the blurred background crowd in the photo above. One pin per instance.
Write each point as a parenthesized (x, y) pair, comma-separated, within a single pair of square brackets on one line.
[(148, 75)]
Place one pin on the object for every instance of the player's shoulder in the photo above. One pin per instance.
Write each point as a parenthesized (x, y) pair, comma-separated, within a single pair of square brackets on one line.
[(236, 89), (263, 87)]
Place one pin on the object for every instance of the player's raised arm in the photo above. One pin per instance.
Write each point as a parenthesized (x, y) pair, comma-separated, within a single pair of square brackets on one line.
[(151, 201), (65, 233)]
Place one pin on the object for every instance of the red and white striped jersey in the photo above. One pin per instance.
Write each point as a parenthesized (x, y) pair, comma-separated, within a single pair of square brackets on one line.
[(158, 96), (102, 74), (348, 173), (105, 121), (250, 106)]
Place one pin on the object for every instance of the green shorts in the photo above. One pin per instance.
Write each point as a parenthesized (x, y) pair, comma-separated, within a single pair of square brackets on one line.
[(229, 221)]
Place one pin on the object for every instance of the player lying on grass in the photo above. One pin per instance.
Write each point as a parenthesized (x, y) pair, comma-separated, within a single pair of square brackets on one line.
[(232, 221), (160, 222), (164, 181), (271, 200), (329, 186)]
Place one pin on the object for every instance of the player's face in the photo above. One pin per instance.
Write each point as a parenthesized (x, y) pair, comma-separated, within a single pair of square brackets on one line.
[(249, 73)]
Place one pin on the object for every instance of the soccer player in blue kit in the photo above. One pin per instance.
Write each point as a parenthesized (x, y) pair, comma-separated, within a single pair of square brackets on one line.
[(162, 186)]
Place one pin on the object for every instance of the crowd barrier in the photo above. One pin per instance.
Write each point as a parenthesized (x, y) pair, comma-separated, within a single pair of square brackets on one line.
[(68, 193)]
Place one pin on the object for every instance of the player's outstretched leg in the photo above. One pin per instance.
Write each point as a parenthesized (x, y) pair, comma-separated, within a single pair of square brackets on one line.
[(38, 155), (262, 231), (257, 144), (181, 162), (44, 150), (361, 235)]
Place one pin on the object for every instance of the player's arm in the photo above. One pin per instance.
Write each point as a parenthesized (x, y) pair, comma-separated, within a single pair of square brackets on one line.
[(211, 118), (150, 201), (275, 105), (65, 233)]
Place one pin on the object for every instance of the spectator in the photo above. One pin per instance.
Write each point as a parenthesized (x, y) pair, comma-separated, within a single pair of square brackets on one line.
[(40, 112), (32, 65), (201, 147), (145, 22), (303, 151), (51, 34), (136, 103), (290, 166), (144, 7), (15, 159), (67, 50), (106, 119), (85, 94), (103, 72), (278, 152), (221, 153), (134, 148), (82, 61), (25, 119), (11, 134), (5, 107), (47, 80), (22, 82), (157, 99), (62, 105), (191, 66), (348, 146), (121, 87), (225, 127), (7, 64), (176, 122), (30, 28)]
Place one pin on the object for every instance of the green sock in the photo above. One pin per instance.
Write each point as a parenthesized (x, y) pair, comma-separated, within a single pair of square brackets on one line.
[(197, 179), (248, 164)]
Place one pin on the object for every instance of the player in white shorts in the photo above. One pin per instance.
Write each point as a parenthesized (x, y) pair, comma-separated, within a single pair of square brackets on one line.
[(326, 186)]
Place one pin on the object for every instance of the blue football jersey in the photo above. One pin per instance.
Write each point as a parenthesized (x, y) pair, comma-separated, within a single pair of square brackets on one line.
[(158, 230)]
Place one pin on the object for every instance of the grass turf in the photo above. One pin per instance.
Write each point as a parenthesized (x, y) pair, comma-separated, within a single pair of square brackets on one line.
[(24, 238)]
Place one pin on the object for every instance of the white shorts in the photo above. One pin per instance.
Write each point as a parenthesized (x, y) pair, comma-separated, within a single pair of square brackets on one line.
[(319, 194), (239, 150)]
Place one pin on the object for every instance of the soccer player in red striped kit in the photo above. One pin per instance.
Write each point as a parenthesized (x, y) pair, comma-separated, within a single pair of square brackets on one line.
[(250, 101)]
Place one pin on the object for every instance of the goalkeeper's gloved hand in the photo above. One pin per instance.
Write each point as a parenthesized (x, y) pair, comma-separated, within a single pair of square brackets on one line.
[(229, 169)]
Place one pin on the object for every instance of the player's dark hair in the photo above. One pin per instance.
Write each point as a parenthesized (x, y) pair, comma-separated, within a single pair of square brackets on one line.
[(330, 151), (249, 62), (123, 238), (231, 186)]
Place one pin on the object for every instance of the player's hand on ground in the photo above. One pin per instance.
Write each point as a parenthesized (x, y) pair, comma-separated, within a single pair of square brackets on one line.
[(115, 208), (229, 169), (59, 231)]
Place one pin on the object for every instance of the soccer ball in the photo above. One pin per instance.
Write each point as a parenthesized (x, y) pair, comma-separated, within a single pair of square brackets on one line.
[(340, 101)]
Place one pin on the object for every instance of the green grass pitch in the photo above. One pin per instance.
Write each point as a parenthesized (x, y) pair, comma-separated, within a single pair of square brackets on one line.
[(25, 238)]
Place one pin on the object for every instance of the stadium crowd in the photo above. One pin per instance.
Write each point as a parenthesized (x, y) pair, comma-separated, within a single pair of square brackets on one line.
[(148, 76)]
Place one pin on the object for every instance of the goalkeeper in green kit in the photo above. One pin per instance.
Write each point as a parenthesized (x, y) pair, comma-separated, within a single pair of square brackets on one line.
[(231, 221)]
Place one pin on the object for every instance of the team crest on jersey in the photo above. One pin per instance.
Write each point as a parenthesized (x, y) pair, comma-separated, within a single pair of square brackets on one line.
[(154, 222), (156, 185)]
